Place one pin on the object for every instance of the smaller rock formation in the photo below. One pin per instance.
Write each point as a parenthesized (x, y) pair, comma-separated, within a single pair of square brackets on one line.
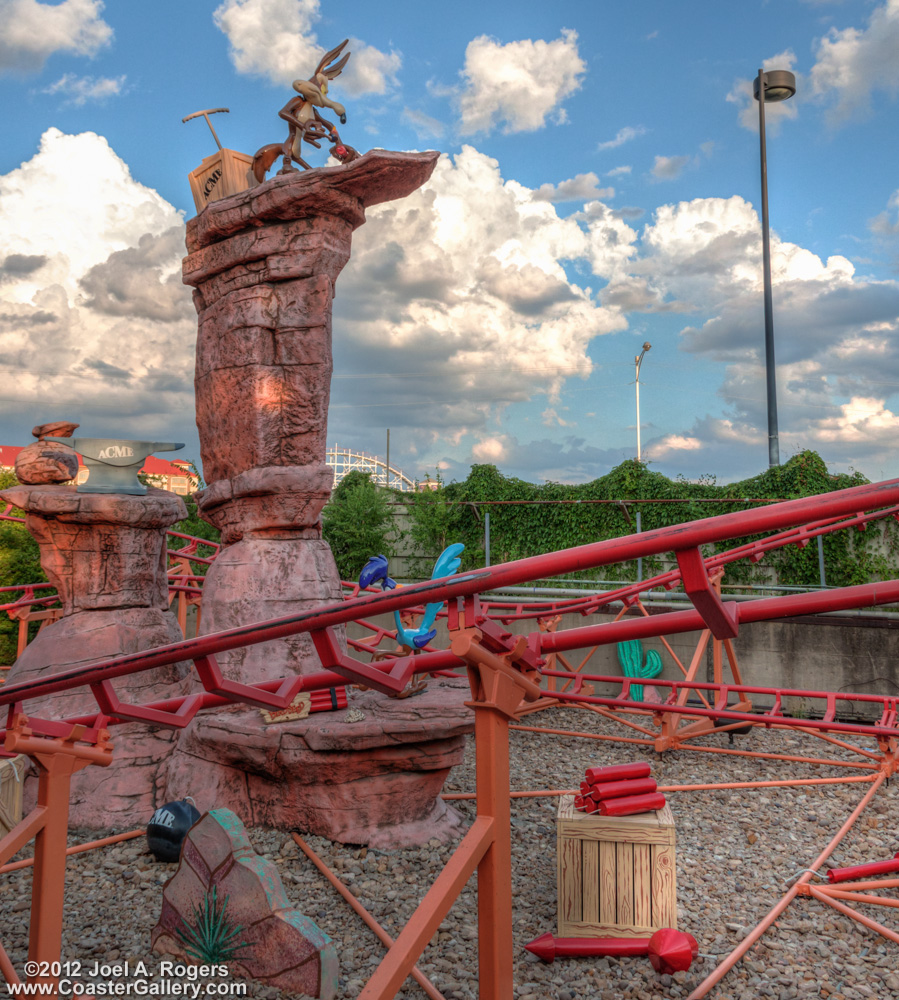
[(222, 884), (106, 556), (372, 775), (48, 461)]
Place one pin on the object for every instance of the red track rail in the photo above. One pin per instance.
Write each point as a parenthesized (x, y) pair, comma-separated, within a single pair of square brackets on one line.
[(392, 675)]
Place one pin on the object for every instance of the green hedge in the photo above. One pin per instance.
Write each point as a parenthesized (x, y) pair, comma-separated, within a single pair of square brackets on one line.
[(455, 512)]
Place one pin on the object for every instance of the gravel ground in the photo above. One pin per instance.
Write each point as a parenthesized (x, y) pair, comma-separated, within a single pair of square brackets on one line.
[(735, 849)]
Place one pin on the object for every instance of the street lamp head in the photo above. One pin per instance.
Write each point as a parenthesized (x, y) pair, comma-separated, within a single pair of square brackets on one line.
[(780, 85), (647, 346)]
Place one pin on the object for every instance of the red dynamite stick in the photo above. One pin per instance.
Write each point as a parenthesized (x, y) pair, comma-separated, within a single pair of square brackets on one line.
[(863, 871), (630, 805), (615, 789), (591, 806), (617, 772), (548, 947), (328, 699), (579, 802), (585, 788)]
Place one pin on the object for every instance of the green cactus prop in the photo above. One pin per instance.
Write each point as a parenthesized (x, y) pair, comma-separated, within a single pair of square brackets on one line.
[(211, 940), (630, 656)]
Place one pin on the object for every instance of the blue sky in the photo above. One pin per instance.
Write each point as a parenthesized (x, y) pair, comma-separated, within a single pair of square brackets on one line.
[(600, 188)]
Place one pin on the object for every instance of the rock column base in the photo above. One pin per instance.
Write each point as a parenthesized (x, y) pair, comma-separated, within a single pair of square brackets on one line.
[(375, 782)]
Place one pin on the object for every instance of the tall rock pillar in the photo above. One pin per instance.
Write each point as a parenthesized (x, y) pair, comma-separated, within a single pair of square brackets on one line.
[(263, 265)]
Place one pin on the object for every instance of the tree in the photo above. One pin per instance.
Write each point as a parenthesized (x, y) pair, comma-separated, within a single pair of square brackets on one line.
[(20, 562), (357, 523)]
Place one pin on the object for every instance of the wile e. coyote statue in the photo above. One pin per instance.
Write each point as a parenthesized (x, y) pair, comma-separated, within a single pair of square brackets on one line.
[(304, 122)]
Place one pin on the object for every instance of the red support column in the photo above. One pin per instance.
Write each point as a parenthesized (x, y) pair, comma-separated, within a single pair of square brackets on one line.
[(48, 823)]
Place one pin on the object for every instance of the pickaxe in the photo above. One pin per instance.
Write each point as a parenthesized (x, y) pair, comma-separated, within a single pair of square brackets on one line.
[(206, 114)]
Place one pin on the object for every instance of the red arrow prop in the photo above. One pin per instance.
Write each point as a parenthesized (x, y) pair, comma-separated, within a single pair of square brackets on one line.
[(669, 950), (548, 947)]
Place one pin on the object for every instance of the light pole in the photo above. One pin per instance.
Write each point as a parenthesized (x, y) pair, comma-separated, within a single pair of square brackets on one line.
[(776, 85), (638, 361)]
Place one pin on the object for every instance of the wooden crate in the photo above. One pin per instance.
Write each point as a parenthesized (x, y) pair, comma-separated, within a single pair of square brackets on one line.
[(12, 774), (224, 172), (616, 874)]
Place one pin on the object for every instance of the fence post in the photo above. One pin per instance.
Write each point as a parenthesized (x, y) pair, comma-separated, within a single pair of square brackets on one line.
[(821, 562), (640, 558)]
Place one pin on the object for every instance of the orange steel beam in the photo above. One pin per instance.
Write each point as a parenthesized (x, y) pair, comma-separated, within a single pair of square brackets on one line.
[(640, 606), (732, 660), (782, 756), (836, 742), (549, 624), (607, 713), (430, 913), (498, 687), (586, 736), (778, 783), (495, 870), (370, 922), (77, 849), (48, 823), (685, 746), (698, 655), (7, 970), (826, 897), (858, 897), (784, 783), (724, 967), (888, 883)]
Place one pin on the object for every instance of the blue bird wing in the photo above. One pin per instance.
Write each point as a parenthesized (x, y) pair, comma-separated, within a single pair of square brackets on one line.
[(449, 561), (375, 569), (420, 641)]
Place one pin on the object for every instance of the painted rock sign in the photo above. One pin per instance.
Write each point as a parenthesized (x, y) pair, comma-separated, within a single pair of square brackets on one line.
[(221, 883)]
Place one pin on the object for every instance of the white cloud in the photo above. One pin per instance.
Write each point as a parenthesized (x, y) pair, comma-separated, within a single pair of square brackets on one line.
[(463, 284), (882, 224), (618, 171), (835, 337), (93, 317), (276, 39), (78, 90), (667, 447), (550, 418), (425, 126), (491, 449), (612, 241), (669, 167), (622, 136), (583, 187), (861, 420), (853, 63), (80, 179), (518, 85), (370, 71), (33, 31)]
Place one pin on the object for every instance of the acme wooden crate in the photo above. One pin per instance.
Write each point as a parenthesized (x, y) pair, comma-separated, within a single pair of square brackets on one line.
[(223, 173), (616, 874)]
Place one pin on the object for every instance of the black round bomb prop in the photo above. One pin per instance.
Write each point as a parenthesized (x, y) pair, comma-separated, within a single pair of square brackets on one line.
[(168, 827)]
